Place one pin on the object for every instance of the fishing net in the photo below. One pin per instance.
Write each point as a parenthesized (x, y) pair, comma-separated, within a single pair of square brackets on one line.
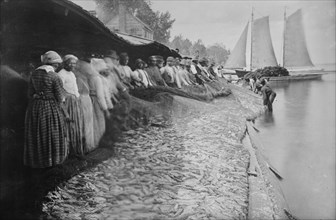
[(153, 106), (139, 107)]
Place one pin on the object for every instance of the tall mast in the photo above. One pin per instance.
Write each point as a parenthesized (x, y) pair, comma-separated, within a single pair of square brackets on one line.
[(251, 39), (284, 40)]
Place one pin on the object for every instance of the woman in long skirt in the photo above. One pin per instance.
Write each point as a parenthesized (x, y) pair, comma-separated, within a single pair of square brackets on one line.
[(44, 124), (85, 104), (72, 106), (100, 109)]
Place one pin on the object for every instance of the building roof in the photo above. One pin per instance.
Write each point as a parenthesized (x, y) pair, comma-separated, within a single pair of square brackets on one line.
[(62, 26), (133, 39)]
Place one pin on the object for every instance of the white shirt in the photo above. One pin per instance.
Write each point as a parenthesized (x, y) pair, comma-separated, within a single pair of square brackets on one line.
[(107, 92), (204, 69), (127, 71), (170, 71), (144, 76), (69, 82), (193, 69), (215, 69)]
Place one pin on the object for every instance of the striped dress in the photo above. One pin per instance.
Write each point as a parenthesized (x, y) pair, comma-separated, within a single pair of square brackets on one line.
[(44, 123), (72, 106)]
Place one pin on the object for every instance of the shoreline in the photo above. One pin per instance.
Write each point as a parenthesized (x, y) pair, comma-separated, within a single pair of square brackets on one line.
[(251, 108), (266, 200)]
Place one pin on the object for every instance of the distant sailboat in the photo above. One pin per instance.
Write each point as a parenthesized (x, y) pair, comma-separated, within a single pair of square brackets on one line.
[(295, 52), (262, 52), (237, 59), (296, 57)]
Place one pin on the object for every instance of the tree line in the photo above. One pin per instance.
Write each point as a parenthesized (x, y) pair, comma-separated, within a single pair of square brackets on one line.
[(216, 52)]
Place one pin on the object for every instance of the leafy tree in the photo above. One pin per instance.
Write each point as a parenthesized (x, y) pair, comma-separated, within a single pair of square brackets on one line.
[(198, 49), (218, 52), (184, 45), (160, 22)]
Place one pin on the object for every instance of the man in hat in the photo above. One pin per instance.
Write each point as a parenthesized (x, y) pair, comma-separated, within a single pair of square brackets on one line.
[(197, 71), (142, 74), (201, 74), (125, 75), (168, 73), (212, 70), (190, 72), (184, 73), (131, 77), (116, 85), (203, 65), (154, 72), (160, 61)]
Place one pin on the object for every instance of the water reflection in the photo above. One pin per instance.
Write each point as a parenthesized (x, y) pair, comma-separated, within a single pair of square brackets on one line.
[(268, 118), (301, 145)]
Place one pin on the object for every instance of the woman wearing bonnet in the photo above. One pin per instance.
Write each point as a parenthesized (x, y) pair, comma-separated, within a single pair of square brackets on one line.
[(44, 123)]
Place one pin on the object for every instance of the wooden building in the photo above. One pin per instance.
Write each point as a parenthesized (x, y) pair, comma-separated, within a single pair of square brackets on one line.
[(124, 22)]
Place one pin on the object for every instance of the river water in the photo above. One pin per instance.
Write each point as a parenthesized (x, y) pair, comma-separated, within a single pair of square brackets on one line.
[(299, 140)]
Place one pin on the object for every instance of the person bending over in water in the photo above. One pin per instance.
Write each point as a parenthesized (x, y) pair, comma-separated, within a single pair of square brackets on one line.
[(268, 95)]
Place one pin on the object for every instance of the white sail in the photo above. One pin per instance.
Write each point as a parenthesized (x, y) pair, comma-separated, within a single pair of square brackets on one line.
[(237, 58), (262, 49), (295, 46)]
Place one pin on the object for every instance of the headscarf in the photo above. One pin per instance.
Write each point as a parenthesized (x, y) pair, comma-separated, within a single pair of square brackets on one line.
[(51, 57), (70, 56)]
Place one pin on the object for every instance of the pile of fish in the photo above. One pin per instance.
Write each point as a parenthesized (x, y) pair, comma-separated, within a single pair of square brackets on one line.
[(193, 169)]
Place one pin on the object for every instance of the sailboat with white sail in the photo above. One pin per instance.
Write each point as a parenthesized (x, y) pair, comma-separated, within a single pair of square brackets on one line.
[(295, 53)]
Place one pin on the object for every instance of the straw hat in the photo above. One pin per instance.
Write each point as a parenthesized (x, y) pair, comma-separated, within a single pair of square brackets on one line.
[(153, 58), (170, 59), (123, 55), (203, 60), (183, 62), (139, 61)]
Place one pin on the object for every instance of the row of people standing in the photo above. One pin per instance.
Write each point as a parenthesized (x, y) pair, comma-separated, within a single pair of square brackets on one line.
[(67, 109), (69, 104)]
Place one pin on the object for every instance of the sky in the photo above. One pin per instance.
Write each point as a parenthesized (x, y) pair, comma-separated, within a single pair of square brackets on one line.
[(215, 21)]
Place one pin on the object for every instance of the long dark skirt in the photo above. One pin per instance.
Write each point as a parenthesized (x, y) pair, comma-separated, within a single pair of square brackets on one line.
[(74, 127), (44, 134)]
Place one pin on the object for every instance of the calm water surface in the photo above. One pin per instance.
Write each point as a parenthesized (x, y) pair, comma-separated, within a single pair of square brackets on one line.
[(299, 140)]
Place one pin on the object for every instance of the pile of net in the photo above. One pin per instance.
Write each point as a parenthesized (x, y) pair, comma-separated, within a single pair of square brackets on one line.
[(269, 71), (153, 106)]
